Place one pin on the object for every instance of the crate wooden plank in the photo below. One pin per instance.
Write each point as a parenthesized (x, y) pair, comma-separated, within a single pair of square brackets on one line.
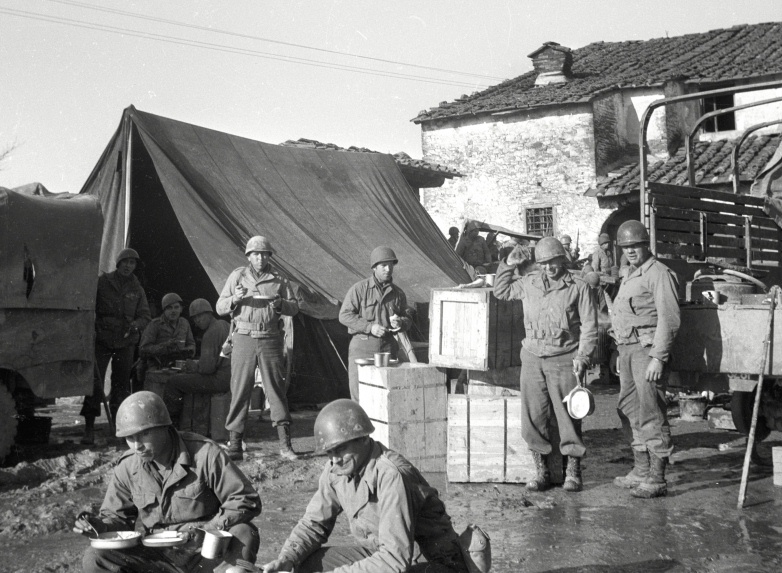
[(693, 227), (408, 407), (470, 328), (485, 443), (698, 192), (673, 213)]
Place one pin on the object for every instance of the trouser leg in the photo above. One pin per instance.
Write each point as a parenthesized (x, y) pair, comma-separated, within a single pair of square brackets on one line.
[(558, 371), (642, 407), (363, 346), (332, 557), (132, 560), (180, 385), (121, 365), (271, 365), (90, 408), (535, 404), (242, 369)]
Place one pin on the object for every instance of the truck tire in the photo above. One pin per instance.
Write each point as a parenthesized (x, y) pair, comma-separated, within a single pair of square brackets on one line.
[(7, 422), (741, 406)]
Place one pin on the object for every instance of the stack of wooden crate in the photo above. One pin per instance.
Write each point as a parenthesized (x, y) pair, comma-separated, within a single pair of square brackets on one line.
[(471, 330), (408, 407)]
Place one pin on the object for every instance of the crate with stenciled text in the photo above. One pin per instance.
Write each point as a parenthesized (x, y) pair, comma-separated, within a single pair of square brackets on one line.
[(485, 443), (408, 405), (471, 328)]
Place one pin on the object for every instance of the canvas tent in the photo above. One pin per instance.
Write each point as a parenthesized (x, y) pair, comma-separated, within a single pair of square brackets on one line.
[(188, 198)]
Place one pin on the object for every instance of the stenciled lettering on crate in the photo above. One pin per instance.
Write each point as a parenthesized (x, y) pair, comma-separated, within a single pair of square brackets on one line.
[(470, 328), (485, 443), (408, 406)]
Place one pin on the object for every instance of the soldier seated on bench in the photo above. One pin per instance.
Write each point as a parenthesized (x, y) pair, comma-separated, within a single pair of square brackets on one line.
[(166, 339), (211, 374)]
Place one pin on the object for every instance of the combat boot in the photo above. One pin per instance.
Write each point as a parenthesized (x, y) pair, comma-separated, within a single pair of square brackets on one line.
[(573, 481), (638, 474), (655, 485), (235, 451), (542, 479), (286, 449)]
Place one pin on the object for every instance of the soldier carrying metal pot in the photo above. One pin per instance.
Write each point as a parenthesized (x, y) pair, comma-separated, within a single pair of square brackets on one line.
[(560, 320)]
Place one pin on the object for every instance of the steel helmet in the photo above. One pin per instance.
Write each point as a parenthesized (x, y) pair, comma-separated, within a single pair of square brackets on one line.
[(139, 412), (603, 238), (170, 299), (549, 248), (127, 254), (340, 421), (382, 255), (631, 232), (566, 240), (199, 306), (259, 244)]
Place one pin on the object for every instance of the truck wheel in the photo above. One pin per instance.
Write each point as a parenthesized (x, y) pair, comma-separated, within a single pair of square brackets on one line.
[(7, 422), (741, 406)]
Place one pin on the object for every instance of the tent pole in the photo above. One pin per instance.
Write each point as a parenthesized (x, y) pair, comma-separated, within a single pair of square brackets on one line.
[(128, 178)]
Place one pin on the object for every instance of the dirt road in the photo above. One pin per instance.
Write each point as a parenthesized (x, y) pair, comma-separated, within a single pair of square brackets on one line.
[(602, 529)]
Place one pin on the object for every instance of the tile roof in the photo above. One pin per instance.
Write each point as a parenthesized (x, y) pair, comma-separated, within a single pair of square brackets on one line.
[(402, 159), (744, 51), (712, 166)]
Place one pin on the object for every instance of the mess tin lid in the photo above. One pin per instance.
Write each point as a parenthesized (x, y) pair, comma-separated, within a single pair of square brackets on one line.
[(580, 403)]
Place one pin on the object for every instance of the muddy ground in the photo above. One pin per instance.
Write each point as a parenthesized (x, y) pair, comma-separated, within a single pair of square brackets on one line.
[(602, 529)]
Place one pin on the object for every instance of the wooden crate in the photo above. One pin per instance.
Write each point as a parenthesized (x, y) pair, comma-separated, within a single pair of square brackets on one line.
[(485, 443), (502, 382), (205, 414), (408, 406), (470, 328)]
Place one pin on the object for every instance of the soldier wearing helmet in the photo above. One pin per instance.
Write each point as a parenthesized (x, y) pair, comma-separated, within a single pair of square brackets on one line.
[(167, 338), (453, 236), (211, 373), (396, 516), (603, 257), (170, 481), (571, 254), (256, 297), (121, 313), (373, 310), (472, 247), (560, 320), (645, 321)]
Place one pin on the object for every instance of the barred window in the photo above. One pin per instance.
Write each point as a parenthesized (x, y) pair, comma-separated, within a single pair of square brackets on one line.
[(540, 221)]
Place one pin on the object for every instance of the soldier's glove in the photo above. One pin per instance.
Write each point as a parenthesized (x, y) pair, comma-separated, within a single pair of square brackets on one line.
[(518, 255)]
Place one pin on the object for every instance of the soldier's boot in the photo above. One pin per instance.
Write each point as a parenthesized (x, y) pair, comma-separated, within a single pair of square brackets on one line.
[(286, 449), (638, 474), (235, 451), (573, 481), (655, 485), (542, 479), (88, 438)]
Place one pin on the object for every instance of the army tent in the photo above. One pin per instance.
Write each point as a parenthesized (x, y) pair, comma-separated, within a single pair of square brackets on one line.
[(188, 198)]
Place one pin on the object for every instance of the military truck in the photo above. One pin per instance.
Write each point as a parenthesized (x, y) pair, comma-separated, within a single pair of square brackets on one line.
[(725, 248), (49, 253)]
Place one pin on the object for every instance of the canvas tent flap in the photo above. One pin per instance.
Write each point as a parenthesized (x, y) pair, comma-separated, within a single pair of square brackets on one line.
[(324, 211), (49, 247)]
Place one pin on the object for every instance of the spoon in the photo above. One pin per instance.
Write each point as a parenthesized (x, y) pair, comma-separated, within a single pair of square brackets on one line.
[(86, 517)]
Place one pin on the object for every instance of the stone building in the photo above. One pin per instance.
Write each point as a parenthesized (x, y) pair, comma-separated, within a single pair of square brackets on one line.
[(553, 150)]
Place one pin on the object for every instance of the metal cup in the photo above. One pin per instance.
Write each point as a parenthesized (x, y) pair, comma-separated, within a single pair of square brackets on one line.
[(489, 279), (215, 544), (382, 358)]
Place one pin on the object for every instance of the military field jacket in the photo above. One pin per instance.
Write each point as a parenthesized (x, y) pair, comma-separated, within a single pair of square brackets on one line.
[(157, 334), (204, 487), (361, 308), (556, 321), (602, 261), (120, 305), (392, 511), (474, 252), (646, 308), (256, 316), (211, 345)]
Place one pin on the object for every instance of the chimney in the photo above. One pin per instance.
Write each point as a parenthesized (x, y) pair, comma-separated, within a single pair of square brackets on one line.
[(552, 62)]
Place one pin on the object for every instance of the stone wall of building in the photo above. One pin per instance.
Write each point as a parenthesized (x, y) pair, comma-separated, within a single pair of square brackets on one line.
[(527, 160)]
